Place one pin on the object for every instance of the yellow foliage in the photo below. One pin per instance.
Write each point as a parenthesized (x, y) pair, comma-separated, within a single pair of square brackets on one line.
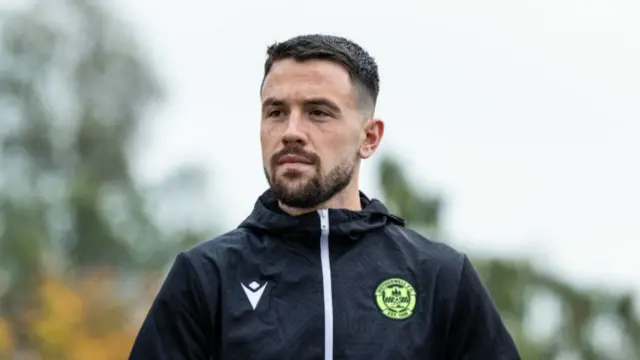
[(81, 321), (56, 322), (6, 339)]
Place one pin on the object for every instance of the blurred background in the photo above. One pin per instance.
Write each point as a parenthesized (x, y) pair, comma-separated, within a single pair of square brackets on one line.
[(129, 132)]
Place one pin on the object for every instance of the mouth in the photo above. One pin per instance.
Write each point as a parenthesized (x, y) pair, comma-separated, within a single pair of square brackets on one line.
[(294, 159)]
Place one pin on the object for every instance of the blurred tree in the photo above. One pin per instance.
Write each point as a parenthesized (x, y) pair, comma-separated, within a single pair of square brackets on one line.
[(6, 339), (83, 321), (590, 324), (74, 89)]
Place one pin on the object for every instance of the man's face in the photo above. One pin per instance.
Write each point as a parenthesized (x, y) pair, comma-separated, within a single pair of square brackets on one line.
[(311, 131)]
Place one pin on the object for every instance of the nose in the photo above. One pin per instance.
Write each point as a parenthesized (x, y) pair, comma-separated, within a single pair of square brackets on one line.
[(295, 131)]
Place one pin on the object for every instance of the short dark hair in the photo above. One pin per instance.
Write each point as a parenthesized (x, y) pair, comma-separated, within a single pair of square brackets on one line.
[(361, 67)]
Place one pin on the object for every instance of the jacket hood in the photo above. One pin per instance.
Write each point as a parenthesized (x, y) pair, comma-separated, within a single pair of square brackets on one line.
[(267, 217)]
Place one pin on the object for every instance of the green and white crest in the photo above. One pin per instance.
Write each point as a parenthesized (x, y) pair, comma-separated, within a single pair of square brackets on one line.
[(396, 298)]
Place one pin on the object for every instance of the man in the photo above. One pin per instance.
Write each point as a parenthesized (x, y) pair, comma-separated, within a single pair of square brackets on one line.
[(318, 270)]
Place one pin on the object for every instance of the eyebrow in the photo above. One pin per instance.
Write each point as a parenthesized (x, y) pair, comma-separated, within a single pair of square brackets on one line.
[(271, 102), (312, 101)]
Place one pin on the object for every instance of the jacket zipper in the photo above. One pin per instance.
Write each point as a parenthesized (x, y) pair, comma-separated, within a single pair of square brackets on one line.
[(326, 284)]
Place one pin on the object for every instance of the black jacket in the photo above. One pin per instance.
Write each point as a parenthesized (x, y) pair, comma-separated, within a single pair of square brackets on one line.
[(333, 284)]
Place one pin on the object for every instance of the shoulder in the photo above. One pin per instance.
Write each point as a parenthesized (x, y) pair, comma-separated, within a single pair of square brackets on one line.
[(233, 239), (209, 257), (220, 247), (447, 268), (436, 262), (427, 250)]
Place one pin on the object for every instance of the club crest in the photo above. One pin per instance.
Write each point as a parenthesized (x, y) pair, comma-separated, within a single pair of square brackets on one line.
[(396, 298)]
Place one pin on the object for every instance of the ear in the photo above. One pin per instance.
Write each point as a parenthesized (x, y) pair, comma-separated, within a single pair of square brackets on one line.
[(373, 131)]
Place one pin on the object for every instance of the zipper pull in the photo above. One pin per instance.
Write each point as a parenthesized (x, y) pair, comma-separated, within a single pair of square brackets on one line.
[(324, 222)]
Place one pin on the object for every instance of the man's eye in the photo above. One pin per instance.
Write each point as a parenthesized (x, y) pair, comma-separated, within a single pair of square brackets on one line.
[(274, 113), (319, 113)]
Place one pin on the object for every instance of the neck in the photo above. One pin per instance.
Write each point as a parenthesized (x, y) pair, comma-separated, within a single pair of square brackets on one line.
[(348, 198)]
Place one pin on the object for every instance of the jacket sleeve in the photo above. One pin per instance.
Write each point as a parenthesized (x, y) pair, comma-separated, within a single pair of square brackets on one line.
[(476, 330), (178, 325)]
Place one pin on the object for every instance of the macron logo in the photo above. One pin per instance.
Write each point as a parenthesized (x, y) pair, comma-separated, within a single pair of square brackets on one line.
[(254, 292)]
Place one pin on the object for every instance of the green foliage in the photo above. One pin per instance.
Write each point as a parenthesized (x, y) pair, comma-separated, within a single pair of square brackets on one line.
[(421, 210), (517, 288), (74, 91)]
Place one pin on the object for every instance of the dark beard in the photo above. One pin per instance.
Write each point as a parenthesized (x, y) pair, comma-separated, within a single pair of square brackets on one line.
[(316, 191)]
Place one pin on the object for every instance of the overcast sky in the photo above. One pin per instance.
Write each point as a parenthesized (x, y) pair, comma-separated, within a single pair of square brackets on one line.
[(523, 114)]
